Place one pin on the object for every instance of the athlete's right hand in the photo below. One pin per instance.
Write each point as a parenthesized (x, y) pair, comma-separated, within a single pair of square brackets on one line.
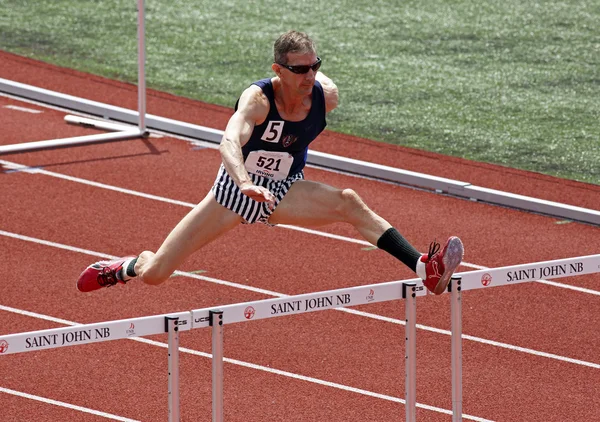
[(259, 194)]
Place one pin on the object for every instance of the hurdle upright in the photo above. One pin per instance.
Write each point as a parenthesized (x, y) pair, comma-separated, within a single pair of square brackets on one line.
[(121, 132), (410, 351), (456, 350)]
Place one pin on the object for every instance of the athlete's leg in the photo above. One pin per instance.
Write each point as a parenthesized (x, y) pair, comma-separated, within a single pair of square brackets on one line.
[(206, 222), (312, 204)]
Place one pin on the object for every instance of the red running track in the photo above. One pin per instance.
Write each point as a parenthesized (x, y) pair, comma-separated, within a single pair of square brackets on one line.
[(345, 356)]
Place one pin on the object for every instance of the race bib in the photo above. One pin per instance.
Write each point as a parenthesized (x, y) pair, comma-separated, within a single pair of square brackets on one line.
[(271, 164)]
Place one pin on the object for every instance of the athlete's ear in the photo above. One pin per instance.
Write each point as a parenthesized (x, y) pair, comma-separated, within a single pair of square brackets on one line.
[(276, 68)]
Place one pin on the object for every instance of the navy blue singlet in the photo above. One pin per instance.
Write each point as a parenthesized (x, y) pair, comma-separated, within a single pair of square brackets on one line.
[(276, 134)]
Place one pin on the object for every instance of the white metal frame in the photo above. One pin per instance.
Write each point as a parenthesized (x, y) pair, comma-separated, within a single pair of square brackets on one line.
[(410, 351), (456, 352), (172, 327), (120, 134), (216, 322)]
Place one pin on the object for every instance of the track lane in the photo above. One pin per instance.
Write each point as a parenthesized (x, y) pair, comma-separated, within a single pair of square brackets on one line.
[(23, 407), (50, 123)]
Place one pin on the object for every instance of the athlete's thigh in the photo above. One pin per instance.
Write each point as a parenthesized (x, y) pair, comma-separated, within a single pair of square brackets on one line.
[(308, 204), (206, 222)]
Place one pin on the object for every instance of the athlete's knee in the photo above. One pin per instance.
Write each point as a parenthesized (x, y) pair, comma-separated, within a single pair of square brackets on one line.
[(151, 271), (350, 203)]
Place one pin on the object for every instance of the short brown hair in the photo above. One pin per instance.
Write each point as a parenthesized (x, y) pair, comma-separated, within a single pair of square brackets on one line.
[(292, 42)]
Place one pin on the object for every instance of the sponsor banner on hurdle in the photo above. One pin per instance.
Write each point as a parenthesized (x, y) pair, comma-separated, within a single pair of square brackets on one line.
[(492, 277), (310, 302), (90, 333)]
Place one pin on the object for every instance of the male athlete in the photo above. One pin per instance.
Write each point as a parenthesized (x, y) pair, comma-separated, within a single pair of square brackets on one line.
[(264, 150)]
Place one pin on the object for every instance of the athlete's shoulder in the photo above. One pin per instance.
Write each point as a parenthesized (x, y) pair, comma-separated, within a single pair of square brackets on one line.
[(254, 103), (330, 91)]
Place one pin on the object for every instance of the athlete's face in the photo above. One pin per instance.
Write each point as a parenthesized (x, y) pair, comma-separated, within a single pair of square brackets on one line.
[(291, 74)]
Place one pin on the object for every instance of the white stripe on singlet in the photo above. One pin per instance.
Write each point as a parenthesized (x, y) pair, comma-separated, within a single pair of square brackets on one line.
[(228, 194)]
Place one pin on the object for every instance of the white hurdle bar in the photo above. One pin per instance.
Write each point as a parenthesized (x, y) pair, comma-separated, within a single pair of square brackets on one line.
[(291, 305), (491, 277)]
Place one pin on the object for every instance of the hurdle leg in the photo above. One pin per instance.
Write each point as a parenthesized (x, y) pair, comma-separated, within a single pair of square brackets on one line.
[(216, 322), (171, 328), (456, 316), (410, 350), (141, 66)]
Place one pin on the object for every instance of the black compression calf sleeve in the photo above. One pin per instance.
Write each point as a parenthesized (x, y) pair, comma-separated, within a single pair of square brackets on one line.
[(393, 243)]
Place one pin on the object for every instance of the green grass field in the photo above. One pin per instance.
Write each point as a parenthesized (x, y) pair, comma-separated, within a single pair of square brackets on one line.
[(514, 83)]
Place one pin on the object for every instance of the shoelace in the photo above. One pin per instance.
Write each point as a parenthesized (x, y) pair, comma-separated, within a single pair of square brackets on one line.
[(434, 248), (107, 277)]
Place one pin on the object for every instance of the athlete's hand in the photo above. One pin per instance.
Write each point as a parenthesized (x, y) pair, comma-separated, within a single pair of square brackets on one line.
[(259, 194)]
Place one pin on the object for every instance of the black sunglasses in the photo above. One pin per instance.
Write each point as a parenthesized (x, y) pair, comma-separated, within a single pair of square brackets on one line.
[(303, 68)]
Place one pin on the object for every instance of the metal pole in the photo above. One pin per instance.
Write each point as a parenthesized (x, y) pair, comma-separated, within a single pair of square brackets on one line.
[(173, 330), (216, 322), (141, 67), (409, 294), (69, 142), (456, 316)]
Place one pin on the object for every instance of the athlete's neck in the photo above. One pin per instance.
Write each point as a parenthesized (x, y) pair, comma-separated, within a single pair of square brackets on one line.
[(291, 105)]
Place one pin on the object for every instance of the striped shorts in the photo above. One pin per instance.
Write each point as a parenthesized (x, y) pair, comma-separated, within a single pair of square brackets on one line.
[(229, 195)]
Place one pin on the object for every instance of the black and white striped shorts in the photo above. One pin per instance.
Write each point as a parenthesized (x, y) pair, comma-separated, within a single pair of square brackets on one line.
[(229, 195)]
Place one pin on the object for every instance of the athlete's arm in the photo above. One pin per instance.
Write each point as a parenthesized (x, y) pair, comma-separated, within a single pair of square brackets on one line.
[(253, 107), (330, 90)]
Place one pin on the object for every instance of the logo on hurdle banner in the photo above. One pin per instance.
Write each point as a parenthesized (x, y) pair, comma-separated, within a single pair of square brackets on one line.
[(249, 312), (201, 320), (3, 346), (131, 330), (371, 296), (486, 279)]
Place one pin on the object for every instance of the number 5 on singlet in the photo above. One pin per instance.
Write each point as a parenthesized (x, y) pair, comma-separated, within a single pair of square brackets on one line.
[(271, 164), (273, 131)]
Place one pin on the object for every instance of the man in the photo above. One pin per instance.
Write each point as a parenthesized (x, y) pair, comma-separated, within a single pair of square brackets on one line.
[(264, 150)]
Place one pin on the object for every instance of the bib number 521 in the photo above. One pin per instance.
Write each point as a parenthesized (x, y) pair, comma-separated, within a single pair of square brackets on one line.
[(268, 163)]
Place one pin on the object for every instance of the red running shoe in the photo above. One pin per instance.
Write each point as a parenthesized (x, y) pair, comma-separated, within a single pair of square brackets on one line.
[(101, 274), (439, 266)]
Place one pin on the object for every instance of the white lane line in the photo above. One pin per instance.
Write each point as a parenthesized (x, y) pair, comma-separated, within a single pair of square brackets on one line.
[(568, 287), (252, 366), (276, 294), (67, 405), (24, 109), (476, 339), (34, 170)]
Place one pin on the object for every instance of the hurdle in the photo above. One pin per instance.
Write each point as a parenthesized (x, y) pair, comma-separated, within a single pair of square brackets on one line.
[(121, 132), (216, 318)]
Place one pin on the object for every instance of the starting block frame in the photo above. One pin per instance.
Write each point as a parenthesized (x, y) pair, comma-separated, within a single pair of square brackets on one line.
[(407, 290)]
